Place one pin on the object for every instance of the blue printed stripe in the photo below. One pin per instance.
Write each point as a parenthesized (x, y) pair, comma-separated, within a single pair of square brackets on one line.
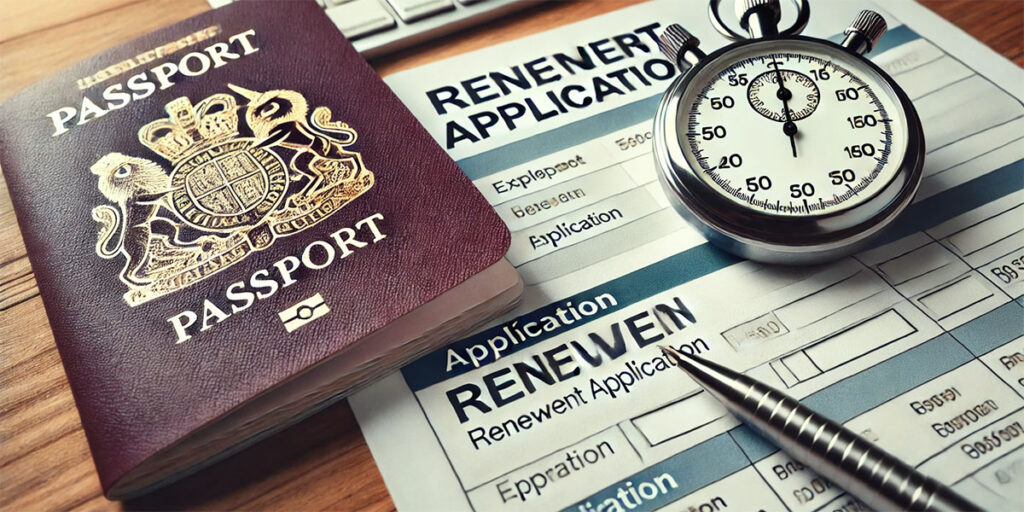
[(949, 203), (984, 334)]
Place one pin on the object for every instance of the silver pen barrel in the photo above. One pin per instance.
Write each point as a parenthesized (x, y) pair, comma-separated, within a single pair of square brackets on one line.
[(879, 479)]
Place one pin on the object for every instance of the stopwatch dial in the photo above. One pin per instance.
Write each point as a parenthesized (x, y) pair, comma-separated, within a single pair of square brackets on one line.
[(792, 128), (803, 98)]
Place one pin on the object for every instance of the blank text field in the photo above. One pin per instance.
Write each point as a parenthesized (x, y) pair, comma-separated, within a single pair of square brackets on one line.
[(859, 340), (955, 297), (916, 263), (988, 232), (828, 300), (678, 418)]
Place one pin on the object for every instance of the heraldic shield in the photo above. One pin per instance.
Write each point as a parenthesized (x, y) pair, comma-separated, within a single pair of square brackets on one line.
[(228, 193)]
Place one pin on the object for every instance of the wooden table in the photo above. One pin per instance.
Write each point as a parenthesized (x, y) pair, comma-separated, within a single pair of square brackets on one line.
[(321, 463)]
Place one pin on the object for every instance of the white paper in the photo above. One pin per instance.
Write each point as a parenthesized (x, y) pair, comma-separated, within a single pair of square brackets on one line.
[(567, 404)]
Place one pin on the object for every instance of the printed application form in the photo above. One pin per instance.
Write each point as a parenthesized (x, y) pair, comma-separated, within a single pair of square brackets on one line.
[(568, 404)]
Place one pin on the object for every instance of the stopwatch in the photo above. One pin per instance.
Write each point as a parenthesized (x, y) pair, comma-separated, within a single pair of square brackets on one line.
[(784, 148)]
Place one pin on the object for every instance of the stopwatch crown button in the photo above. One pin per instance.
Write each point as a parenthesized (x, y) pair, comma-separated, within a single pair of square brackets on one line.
[(744, 8), (676, 41), (867, 28)]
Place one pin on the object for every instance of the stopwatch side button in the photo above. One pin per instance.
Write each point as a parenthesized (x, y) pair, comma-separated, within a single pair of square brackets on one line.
[(864, 33), (680, 46)]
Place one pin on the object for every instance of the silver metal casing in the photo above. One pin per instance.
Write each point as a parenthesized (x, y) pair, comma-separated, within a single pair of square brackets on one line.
[(770, 238)]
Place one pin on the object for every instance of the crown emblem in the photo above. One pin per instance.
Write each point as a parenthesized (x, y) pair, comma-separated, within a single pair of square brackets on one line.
[(226, 195), (188, 130)]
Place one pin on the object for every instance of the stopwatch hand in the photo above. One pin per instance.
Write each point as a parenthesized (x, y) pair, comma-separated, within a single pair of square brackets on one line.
[(789, 127)]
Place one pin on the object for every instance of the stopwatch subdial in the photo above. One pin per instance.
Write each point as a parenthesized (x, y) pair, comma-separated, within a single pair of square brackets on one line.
[(803, 97)]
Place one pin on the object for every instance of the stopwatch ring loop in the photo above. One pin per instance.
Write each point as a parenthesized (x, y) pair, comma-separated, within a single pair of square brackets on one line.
[(803, 14)]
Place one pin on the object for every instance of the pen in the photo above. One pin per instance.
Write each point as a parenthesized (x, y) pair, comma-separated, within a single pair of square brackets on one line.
[(879, 479)]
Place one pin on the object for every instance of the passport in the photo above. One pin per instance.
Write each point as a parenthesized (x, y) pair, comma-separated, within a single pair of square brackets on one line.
[(233, 223)]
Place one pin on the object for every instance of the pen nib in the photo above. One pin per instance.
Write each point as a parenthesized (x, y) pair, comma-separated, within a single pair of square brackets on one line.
[(672, 353)]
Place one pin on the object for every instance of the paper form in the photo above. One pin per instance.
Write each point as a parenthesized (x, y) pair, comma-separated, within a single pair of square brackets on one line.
[(567, 403)]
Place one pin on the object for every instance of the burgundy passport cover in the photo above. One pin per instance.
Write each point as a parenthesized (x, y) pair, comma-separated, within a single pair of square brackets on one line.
[(182, 194)]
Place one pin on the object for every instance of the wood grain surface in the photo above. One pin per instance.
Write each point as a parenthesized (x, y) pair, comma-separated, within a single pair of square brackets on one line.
[(321, 463)]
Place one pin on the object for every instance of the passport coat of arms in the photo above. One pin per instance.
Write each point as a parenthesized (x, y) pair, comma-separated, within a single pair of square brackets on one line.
[(226, 194)]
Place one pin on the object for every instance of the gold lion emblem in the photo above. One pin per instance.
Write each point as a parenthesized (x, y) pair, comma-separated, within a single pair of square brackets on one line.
[(227, 194)]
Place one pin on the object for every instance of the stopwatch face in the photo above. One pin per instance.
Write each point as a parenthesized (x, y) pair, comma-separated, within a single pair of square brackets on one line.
[(792, 128)]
